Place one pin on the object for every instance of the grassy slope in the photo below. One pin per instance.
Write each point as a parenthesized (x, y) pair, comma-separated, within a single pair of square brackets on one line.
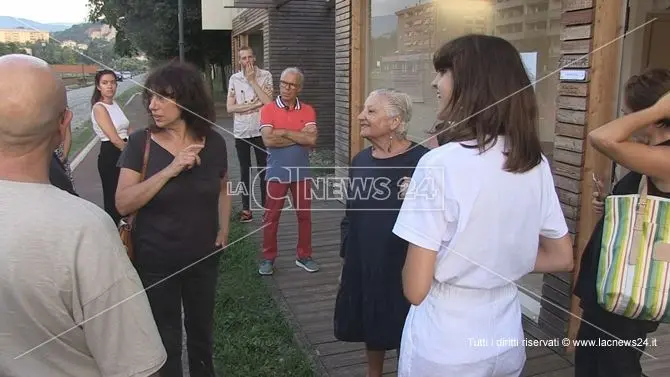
[(251, 336)]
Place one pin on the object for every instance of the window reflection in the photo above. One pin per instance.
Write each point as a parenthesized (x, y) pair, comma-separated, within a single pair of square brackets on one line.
[(405, 33)]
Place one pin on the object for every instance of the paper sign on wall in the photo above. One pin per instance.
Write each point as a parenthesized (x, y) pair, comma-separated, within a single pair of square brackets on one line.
[(573, 74)]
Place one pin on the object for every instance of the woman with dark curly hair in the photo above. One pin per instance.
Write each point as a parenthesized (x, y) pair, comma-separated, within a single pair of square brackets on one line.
[(183, 211)]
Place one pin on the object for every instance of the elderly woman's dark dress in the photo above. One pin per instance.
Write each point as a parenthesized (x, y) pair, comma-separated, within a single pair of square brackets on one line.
[(370, 306)]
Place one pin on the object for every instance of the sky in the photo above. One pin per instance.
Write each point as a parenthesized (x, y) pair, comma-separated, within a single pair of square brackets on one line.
[(46, 11)]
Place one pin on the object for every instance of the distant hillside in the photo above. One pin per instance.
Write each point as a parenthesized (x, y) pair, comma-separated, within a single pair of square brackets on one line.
[(79, 33), (7, 22)]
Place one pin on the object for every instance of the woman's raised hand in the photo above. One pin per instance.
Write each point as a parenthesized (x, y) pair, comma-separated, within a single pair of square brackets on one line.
[(185, 160)]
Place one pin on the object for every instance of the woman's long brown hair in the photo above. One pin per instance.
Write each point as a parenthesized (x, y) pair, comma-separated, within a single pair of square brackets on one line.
[(492, 96)]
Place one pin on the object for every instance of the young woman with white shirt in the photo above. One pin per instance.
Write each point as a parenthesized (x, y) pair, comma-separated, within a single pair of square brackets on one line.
[(481, 211), (110, 124)]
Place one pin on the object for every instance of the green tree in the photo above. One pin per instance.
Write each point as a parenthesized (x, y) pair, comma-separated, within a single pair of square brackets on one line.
[(100, 51), (125, 63), (11, 48), (49, 51), (151, 26)]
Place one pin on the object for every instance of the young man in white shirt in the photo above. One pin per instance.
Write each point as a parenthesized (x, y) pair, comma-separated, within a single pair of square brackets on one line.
[(248, 90), (72, 303)]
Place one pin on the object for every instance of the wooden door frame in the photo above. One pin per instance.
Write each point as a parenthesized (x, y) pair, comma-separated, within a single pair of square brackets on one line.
[(239, 40), (601, 108), (358, 71)]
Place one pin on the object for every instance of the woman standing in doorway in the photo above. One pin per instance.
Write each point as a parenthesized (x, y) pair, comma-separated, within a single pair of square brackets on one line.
[(110, 124), (481, 211)]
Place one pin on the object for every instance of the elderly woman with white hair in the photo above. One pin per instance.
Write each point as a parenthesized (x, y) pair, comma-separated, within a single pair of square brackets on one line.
[(370, 306)]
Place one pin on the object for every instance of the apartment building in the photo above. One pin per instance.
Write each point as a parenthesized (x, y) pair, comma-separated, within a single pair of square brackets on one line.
[(523, 21), (22, 36), (420, 29)]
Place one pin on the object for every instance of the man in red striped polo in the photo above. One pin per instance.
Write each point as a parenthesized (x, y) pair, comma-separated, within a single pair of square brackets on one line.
[(288, 128)]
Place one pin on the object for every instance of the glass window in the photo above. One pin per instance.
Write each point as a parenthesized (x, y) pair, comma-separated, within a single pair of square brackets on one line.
[(409, 31), (405, 33)]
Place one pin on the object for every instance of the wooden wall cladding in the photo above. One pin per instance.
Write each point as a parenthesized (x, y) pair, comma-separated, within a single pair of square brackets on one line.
[(572, 104), (343, 46), (302, 34)]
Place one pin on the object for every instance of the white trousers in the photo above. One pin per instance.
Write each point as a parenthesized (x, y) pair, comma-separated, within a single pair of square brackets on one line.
[(464, 332)]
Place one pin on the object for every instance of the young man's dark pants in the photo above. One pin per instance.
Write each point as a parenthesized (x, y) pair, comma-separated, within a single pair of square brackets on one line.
[(196, 287), (615, 360), (243, 147)]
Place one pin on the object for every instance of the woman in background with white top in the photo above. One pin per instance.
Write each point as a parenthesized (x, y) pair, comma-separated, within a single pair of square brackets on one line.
[(481, 211), (111, 126)]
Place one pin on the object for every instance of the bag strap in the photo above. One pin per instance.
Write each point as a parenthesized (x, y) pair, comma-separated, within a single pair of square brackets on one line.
[(143, 173), (145, 161), (642, 189), (638, 220)]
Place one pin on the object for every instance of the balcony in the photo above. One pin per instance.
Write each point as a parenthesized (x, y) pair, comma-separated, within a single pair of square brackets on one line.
[(537, 16), (508, 4), (512, 36), (537, 2), (507, 20), (555, 5), (539, 33)]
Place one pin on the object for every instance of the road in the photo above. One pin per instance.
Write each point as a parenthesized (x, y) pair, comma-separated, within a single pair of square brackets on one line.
[(79, 100)]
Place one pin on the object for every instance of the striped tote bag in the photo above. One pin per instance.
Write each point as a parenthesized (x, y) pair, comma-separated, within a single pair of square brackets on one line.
[(634, 269)]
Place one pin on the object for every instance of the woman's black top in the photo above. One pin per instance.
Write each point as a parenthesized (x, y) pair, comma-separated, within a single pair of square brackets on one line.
[(370, 305), (180, 223)]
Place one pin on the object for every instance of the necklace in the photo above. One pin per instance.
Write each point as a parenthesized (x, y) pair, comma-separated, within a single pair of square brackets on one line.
[(391, 153)]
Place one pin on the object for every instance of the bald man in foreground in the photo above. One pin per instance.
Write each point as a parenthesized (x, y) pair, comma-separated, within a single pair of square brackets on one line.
[(71, 303)]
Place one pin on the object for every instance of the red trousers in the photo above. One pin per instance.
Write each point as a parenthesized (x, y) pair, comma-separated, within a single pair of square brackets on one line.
[(301, 195)]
